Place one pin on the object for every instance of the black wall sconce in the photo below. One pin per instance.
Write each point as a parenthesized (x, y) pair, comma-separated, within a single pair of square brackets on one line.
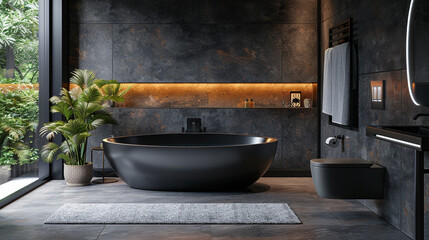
[(378, 94)]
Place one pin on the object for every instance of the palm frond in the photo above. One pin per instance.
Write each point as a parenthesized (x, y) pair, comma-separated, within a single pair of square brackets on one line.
[(79, 138), (72, 127), (90, 95), (21, 150), (105, 116), (96, 123), (51, 129), (114, 92), (55, 99), (15, 133), (63, 108), (75, 93), (67, 97), (115, 98), (85, 110), (83, 78), (67, 159), (66, 147), (49, 151), (102, 82), (122, 92)]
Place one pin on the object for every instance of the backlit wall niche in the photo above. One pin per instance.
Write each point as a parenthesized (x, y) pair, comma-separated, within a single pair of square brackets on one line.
[(215, 95)]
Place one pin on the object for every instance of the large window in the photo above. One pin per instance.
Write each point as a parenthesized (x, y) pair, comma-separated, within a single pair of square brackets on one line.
[(19, 94)]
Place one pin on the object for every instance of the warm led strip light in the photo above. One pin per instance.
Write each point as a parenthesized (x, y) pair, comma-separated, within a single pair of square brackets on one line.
[(398, 141)]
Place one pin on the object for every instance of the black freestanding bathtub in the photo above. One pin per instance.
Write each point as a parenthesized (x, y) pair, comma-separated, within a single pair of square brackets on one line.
[(190, 161)]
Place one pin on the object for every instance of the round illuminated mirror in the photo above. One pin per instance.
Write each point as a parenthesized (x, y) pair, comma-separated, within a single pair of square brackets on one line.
[(417, 52)]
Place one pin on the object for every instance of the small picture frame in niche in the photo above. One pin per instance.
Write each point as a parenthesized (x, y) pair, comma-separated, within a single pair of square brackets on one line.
[(295, 99)]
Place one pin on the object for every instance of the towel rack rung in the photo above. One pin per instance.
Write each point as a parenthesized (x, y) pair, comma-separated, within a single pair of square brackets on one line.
[(341, 25), (341, 30), (339, 39)]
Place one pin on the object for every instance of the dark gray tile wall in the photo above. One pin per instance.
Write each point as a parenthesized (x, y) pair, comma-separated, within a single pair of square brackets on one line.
[(95, 52), (203, 41), (155, 52), (241, 53), (294, 65), (379, 33), (258, 11)]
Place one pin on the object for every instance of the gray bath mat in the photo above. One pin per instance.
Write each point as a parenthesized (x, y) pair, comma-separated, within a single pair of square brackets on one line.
[(174, 213)]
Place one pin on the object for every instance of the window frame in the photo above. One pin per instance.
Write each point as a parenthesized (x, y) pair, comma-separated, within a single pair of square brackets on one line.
[(53, 66)]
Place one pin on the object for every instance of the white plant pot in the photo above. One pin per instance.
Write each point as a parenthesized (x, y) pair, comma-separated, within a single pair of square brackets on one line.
[(78, 175), (5, 173)]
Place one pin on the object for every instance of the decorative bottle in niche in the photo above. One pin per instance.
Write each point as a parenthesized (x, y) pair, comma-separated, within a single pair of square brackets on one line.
[(307, 103), (246, 103), (251, 103)]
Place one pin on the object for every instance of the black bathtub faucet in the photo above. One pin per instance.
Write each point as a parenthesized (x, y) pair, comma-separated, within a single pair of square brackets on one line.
[(194, 125)]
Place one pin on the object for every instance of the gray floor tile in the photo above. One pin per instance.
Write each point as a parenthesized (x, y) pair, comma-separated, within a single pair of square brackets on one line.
[(322, 218)]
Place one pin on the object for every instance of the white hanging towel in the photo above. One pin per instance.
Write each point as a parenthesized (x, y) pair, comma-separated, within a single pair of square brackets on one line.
[(327, 83), (336, 84)]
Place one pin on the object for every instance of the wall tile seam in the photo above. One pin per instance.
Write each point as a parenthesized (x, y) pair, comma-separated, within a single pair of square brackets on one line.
[(198, 24), (383, 71), (401, 219), (199, 54), (335, 14), (195, 23), (319, 77), (281, 136), (200, 6), (281, 65), (402, 100), (111, 35), (215, 108)]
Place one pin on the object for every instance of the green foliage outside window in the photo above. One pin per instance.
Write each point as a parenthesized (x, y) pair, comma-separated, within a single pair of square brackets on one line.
[(19, 43), (19, 54), (18, 121)]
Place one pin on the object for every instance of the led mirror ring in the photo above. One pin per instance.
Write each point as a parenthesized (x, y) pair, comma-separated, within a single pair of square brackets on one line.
[(417, 46), (409, 46)]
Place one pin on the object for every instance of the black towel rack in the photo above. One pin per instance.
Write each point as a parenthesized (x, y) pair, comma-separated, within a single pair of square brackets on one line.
[(340, 34)]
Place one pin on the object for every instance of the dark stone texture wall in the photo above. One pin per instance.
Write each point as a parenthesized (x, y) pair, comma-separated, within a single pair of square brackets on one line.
[(204, 41), (379, 32)]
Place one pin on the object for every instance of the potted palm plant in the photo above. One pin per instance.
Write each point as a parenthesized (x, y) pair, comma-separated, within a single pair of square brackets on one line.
[(84, 109)]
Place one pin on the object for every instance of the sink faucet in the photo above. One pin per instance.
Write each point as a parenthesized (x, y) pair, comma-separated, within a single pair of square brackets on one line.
[(193, 125), (420, 115)]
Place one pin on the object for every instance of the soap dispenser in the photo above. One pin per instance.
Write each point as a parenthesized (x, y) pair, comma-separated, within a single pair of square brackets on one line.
[(246, 103)]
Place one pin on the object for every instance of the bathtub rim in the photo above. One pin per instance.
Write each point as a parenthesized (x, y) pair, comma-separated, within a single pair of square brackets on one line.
[(274, 140)]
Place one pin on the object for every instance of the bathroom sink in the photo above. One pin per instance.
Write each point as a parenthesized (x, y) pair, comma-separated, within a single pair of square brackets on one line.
[(415, 137)]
